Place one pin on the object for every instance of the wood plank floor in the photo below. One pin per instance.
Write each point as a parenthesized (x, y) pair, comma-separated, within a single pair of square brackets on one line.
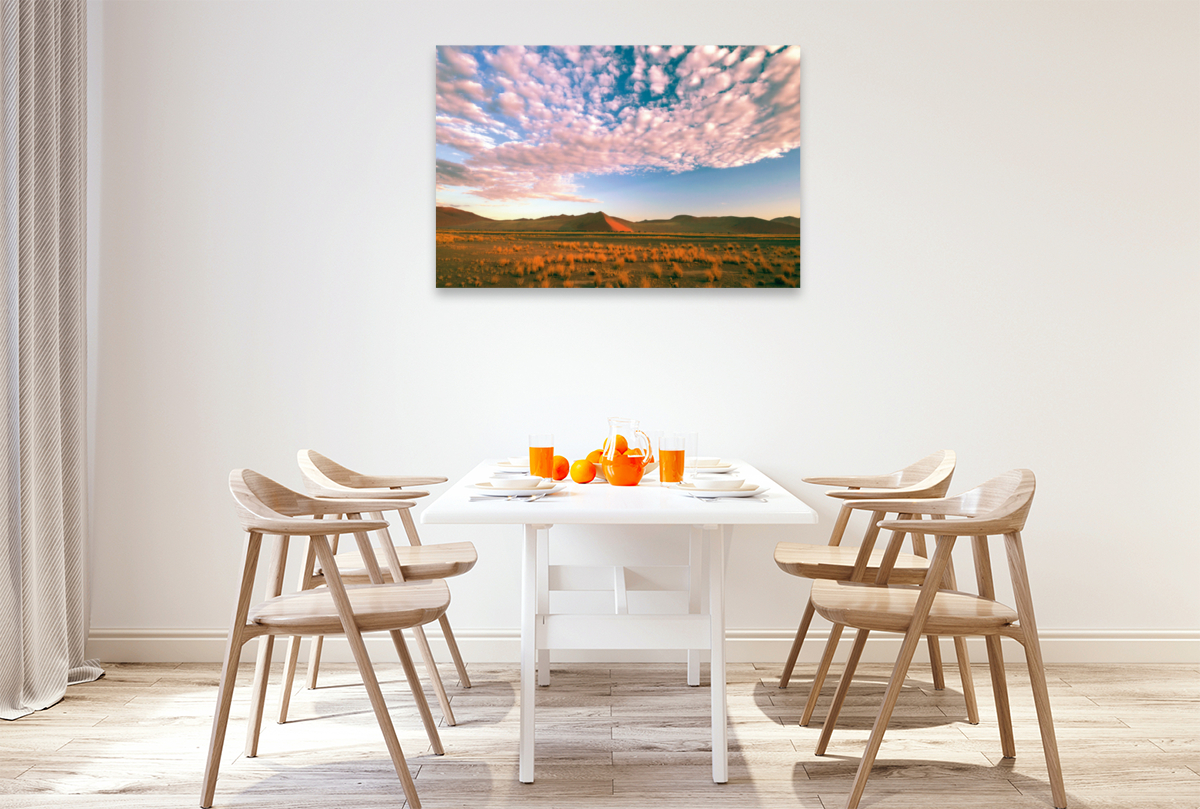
[(625, 735)]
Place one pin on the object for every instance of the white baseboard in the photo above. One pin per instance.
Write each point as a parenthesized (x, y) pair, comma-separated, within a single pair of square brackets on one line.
[(742, 646)]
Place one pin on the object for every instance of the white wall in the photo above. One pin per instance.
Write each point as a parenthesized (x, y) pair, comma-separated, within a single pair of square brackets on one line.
[(1001, 206)]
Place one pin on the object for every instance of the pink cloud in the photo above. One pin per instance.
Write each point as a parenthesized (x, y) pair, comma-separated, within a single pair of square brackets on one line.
[(732, 107)]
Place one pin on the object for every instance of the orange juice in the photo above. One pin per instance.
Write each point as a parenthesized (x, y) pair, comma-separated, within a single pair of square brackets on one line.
[(541, 461), (670, 465)]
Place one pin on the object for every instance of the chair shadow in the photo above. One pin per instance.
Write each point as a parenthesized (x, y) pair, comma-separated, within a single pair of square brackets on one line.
[(891, 778), (496, 697), (862, 703)]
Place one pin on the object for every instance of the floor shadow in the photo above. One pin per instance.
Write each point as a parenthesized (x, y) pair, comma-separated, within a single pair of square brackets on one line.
[(861, 705)]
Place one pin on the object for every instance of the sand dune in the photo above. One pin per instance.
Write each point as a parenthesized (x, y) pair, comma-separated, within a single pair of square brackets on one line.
[(454, 218), (597, 222)]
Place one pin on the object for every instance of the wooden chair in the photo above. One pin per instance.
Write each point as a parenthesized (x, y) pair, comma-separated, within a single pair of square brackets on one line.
[(405, 563), (928, 477), (264, 507), (998, 507)]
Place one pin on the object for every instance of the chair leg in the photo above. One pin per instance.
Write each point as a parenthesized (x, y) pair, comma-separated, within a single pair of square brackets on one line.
[(293, 650), (964, 658), (314, 661), (233, 651), (464, 679), (434, 676), (843, 688), (1041, 701), (1008, 742), (367, 671), (220, 722), (262, 666), (935, 647), (258, 694), (912, 638), (1037, 669), (790, 663), (935, 662), (835, 634), (968, 682), (289, 676), (414, 684), (895, 685)]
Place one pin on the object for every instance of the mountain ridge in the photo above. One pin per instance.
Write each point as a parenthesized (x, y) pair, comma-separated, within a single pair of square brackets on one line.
[(449, 218)]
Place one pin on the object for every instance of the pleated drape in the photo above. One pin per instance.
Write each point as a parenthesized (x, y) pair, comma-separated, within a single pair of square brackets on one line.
[(43, 482)]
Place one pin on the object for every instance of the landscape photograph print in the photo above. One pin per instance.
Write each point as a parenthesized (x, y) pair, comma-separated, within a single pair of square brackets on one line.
[(618, 166)]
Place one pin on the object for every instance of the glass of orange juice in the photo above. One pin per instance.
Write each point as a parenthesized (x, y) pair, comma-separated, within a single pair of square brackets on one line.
[(671, 449), (541, 455)]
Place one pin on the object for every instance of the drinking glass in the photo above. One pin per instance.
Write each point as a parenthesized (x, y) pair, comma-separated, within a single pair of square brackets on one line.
[(541, 455), (671, 456), (691, 453)]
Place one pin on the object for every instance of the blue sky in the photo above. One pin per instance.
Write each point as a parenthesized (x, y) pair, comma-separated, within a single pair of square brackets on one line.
[(643, 132)]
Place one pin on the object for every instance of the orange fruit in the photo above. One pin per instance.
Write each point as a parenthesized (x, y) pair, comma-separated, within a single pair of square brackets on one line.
[(583, 471), (622, 444), (560, 467), (634, 451), (594, 455)]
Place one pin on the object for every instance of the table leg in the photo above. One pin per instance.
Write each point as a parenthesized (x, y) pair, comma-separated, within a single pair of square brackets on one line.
[(543, 599), (716, 608), (695, 564), (529, 600)]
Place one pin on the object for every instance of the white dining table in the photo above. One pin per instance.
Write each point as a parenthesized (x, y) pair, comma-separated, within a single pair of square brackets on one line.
[(597, 503)]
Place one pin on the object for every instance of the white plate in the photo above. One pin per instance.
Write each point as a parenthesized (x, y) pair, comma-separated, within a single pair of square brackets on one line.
[(498, 489), (708, 465), (709, 470), (509, 466), (747, 490)]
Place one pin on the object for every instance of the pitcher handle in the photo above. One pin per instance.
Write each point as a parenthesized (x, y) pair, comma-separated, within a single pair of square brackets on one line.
[(649, 446)]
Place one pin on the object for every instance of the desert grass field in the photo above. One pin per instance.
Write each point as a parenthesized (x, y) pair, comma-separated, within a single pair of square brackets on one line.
[(647, 260)]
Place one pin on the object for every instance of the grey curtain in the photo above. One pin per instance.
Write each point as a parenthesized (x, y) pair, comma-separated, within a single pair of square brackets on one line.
[(43, 496)]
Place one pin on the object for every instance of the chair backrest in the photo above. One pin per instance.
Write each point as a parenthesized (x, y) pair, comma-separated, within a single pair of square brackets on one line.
[(928, 477), (324, 477), (932, 470), (321, 472), (266, 507), (1003, 501), (999, 506), (260, 500)]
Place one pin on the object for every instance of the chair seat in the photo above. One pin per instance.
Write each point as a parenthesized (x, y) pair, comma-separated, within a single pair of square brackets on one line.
[(376, 607), (889, 608), (837, 563), (417, 562)]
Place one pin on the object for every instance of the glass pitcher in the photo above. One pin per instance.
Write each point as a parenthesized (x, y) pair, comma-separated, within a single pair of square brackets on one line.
[(628, 453)]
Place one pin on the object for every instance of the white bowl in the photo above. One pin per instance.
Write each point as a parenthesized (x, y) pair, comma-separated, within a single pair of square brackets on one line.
[(723, 483), (518, 482), (519, 461), (700, 463)]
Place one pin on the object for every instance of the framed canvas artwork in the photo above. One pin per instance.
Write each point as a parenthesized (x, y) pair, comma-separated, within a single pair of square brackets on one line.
[(614, 166)]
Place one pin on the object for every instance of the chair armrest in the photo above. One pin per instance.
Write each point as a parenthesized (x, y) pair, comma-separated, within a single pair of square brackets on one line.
[(915, 505), (855, 481), (949, 528), (360, 494), (878, 494), (308, 528), (348, 505), (397, 481)]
